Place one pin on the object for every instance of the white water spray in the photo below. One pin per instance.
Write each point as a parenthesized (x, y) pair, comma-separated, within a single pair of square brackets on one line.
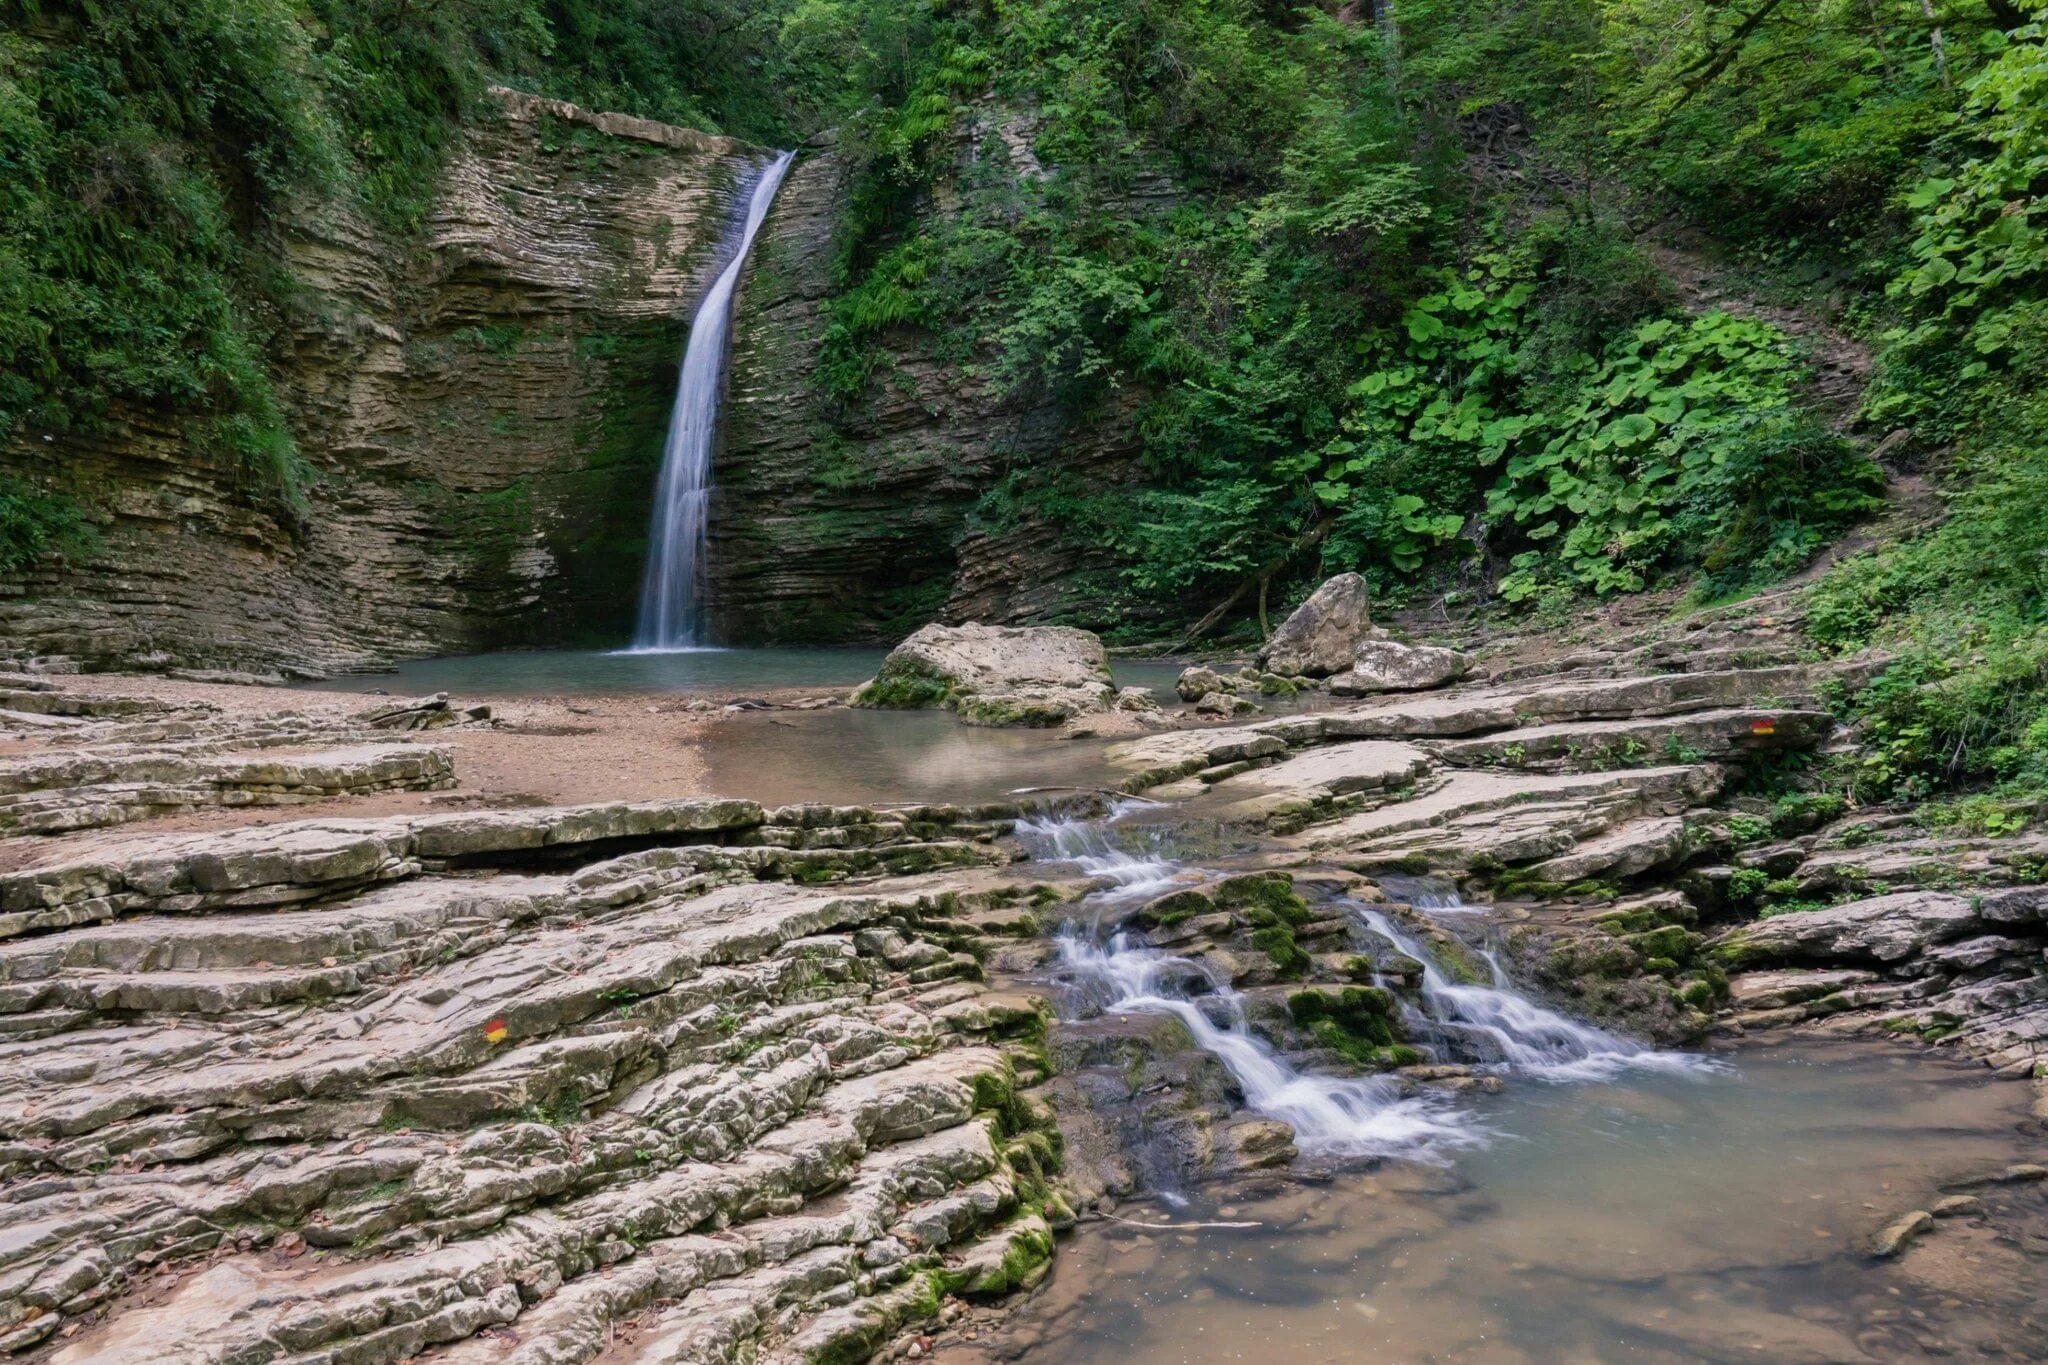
[(1338, 1115), (671, 592), (1335, 1115), (1514, 1030)]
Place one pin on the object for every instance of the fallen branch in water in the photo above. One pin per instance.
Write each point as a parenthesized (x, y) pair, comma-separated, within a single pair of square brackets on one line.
[(1173, 1227)]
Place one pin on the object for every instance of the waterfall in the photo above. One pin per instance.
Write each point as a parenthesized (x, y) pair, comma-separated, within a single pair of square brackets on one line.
[(1507, 1028), (1496, 1025), (1334, 1115), (672, 588)]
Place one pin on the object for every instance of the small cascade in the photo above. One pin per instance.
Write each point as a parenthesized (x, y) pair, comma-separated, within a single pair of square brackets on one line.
[(1504, 1027), (1337, 1115), (1438, 895), (1334, 1115), (1493, 1024), (1088, 845), (671, 590)]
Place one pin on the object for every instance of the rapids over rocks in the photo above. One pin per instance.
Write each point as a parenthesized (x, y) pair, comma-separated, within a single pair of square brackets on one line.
[(1412, 1027)]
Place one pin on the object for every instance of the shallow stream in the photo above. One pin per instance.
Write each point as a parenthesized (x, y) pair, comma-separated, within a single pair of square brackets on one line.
[(1656, 1216), (1608, 1202)]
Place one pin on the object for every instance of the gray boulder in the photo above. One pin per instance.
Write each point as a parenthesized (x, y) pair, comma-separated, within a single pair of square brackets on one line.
[(1379, 665), (1198, 682), (1225, 704), (1319, 638), (996, 675)]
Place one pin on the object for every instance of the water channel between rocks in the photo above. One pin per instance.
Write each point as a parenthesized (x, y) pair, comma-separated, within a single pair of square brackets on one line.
[(1603, 1202), (1607, 1202)]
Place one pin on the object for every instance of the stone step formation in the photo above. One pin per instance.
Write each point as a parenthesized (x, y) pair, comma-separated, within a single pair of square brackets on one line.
[(696, 1080)]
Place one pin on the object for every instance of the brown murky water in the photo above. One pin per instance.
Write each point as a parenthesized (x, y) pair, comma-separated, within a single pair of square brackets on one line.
[(1658, 1217), (874, 756)]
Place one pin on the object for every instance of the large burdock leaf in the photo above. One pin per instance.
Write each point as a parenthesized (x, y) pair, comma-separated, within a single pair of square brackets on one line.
[(1631, 430)]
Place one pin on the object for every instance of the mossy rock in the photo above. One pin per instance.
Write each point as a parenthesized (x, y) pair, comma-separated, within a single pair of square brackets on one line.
[(1174, 908), (1667, 941), (1578, 959), (1523, 884), (1023, 1263), (1000, 712), (901, 686), (1276, 941), (1265, 897), (1698, 994), (1356, 1021)]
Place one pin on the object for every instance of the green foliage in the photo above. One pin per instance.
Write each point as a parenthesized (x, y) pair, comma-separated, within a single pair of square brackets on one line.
[(1972, 287), (35, 525), (143, 143), (1324, 364)]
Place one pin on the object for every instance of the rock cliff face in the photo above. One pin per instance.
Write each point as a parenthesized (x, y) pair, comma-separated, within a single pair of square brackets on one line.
[(858, 521), (482, 410)]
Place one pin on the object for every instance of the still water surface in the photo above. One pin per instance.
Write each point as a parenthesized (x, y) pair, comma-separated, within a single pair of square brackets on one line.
[(529, 673), (1717, 1215)]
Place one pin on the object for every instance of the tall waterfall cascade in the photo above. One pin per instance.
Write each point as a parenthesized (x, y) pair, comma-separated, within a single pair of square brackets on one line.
[(672, 589)]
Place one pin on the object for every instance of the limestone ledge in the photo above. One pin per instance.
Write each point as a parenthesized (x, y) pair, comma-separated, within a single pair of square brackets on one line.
[(445, 1084), (481, 410)]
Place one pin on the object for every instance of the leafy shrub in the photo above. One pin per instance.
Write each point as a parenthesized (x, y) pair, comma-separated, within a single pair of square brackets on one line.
[(35, 525)]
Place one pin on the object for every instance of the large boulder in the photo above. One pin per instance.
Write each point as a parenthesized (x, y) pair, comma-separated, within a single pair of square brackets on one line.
[(996, 675), (1379, 665), (1319, 638)]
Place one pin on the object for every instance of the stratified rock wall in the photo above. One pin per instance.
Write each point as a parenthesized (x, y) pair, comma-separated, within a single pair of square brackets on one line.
[(482, 408), (858, 521)]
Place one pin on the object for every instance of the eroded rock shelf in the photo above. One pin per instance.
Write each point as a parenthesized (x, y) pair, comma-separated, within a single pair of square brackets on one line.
[(703, 1080)]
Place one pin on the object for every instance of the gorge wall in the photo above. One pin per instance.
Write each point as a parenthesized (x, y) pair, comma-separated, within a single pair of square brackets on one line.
[(482, 410), (861, 520)]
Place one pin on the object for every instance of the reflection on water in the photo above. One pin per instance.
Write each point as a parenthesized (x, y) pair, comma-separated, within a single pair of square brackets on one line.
[(528, 673), (1657, 1218), (870, 756)]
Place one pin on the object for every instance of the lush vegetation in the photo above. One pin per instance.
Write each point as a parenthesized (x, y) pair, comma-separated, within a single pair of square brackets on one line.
[(144, 143), (1373, 287), (1394, 308), (1387, 297)]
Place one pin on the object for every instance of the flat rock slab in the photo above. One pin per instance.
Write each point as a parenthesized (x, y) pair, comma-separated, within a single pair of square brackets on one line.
[(546, 1101), (59, 794), (275, 865), (1470, 793), (1716, 734), (1366, 765), (1506, 715), (1297, 785), (1878, 930)]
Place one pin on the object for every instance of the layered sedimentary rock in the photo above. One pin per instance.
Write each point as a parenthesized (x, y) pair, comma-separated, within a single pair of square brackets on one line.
[(856, 518), (481, 408), (582, 1087)]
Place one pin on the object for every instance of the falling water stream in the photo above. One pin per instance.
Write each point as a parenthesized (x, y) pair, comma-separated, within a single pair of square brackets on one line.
[(1489, 1024), (671, 592), (1613, 1202)]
